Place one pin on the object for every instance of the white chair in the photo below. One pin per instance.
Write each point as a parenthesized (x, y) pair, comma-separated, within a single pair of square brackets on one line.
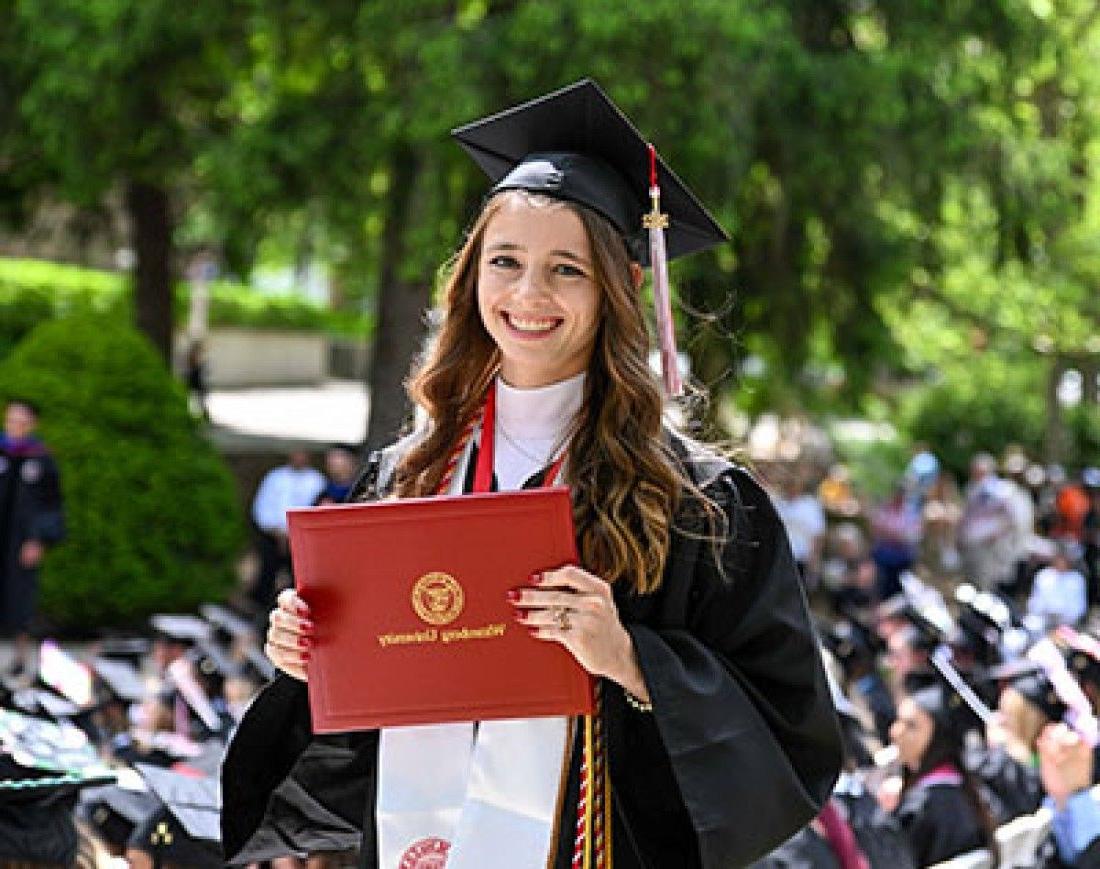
[(979, 859), (1020, 839)]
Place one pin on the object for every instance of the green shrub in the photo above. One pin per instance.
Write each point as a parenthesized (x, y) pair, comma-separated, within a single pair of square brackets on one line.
[(151, 511)]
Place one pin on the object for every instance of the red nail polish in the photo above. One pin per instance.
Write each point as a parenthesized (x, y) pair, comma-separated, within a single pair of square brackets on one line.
[(536, 578), (534, 632), (303, 642), (519, 616), (303, 610), (305, 627), (512, 594)]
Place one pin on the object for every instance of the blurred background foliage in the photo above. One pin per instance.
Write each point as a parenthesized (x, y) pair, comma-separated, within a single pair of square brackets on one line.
[(152, 516), (911, 187)]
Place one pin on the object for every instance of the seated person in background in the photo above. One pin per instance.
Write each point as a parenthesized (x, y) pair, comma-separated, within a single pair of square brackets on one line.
[(939, 806), (341, 464), (1059, 595), (1009, 767), (1065, 764), (848, 572)]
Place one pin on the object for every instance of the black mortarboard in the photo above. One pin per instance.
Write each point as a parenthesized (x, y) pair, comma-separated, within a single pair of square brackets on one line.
[(228, 623), (575, 144), (195, 801), (181, 628), (1038, 690), (37, 743), (130, 649), (1082, 654), (36, 818), (116, 811), (121, 679), (185, 829)]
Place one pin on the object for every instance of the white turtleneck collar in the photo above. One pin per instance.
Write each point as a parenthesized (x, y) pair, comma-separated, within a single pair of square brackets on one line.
[(531, 426)]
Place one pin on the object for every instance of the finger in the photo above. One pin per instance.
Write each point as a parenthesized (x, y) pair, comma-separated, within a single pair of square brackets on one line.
[(549, 617), (290, 601), (285, 639), (294, 665), (282, 619), (538, 597), (573, 577)]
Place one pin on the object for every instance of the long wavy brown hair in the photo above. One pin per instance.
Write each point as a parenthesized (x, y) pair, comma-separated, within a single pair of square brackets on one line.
[(626, 484)]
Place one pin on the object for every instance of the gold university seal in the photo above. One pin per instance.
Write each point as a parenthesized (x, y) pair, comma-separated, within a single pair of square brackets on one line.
[(437, 598)]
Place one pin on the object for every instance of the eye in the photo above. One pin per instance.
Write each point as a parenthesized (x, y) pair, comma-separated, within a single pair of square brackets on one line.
[(568, 270), (504, 261)]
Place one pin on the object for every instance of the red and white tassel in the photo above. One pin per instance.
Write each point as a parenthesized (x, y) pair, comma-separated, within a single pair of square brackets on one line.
[(657, 222)]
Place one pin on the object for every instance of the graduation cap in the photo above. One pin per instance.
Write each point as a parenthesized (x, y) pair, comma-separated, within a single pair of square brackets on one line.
[(54, 746), (121, 679), (36, 818), (1055, 692), (181, 628), (229, 624), (70, 678), (115, 811), (184, 829), (194, 800), (1082, 654), (133, 650), (575, 144), (952, 704)]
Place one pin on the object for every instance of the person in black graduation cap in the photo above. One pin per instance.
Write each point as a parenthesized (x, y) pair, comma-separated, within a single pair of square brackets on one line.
[(940, 807), (719, 732)]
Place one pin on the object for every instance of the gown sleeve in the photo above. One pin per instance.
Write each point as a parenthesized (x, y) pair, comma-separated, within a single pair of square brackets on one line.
[(740, 700)]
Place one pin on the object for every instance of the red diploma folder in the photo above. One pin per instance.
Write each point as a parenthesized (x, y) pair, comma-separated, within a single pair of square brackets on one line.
[(411, 618)]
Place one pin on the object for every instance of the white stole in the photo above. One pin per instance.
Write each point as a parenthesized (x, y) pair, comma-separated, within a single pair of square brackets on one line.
[(468, 796)]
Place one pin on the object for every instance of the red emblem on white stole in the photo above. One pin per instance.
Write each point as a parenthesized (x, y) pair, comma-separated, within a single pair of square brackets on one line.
[(430, 853)]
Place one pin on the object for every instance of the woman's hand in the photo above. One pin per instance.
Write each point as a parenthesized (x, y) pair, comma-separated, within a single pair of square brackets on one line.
[(1065, 762), (288, 634), (572, 607)]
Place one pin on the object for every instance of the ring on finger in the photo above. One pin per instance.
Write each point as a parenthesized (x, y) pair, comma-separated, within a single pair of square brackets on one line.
[(561, 615)]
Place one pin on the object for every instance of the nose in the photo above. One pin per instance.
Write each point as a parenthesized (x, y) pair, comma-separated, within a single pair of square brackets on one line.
[(530, 283)]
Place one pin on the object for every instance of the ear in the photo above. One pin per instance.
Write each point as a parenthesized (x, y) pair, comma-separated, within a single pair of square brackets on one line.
[(637, 275)]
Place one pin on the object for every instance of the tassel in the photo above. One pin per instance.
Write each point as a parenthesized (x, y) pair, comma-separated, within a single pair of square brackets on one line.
[(656, 222)]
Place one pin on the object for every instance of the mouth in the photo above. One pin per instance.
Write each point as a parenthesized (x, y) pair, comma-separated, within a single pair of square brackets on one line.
[(530, 327)]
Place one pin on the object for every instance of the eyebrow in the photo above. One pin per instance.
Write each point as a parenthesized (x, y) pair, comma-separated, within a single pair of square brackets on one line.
[(511, 245)]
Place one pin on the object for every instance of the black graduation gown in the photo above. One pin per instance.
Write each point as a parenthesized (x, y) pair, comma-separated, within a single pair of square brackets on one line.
[(939, 822), (30, 509), (1012, 789), (741, 750)]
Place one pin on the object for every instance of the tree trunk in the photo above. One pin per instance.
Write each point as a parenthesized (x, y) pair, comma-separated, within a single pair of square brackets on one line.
[(151, 236), (399, 324)]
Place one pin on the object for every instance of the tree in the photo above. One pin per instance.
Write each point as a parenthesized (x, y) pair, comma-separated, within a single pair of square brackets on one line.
[(115, 94)]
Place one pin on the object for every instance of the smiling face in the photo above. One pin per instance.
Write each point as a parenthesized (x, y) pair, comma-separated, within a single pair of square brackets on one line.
[(537, 291)]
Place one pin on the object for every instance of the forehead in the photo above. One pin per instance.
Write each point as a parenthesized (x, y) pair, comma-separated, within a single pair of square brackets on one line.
[(20, 411), (909, 711), (536, 223)]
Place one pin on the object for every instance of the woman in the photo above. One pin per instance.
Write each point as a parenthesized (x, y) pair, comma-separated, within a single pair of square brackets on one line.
[(939, 807), (718, 731)]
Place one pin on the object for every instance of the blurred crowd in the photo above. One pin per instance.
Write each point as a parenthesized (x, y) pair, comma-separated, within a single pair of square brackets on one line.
[(957, 623), (959, 626)]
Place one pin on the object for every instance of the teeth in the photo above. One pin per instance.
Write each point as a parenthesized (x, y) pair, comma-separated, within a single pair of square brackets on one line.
[(525, 325)]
